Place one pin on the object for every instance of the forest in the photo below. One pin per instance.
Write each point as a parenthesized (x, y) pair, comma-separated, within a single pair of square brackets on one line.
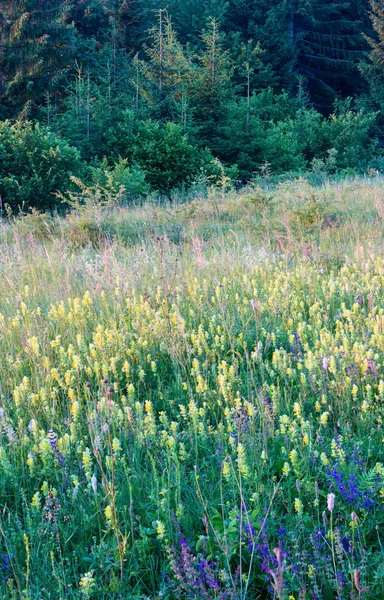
[(151, 97)]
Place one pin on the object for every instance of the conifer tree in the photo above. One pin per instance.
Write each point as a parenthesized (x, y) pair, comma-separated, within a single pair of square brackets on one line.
[(37, 45), (373, 69), (124, 17), (318, 39), (377, 43), (265, 22), (212, 84), (89, 17), (251, 71), (167, 71), (329, 46), (191, 16), (215, 67)]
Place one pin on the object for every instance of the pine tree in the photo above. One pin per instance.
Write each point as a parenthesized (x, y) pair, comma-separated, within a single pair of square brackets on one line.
[(167, 72), (124, 17), (265, 22), (329, 46), (320, 40), (251, 71), (377, 43), (215, 72), (212, 85), (373, 69), (191, 16), (89, 17), (37, 46)]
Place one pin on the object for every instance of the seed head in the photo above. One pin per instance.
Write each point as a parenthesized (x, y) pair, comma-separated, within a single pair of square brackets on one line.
[(331, 502)]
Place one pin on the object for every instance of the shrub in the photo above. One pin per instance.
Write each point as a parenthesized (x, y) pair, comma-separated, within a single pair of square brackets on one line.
[(34, 165), (130, 180), (351, 133), (168, 159), (283, 147), (344, 140)]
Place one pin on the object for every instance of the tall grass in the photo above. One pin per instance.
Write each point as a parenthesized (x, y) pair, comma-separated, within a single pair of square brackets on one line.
[(192, 398)]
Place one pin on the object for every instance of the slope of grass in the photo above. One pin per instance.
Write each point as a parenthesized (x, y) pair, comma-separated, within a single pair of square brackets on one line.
[(192, 398)]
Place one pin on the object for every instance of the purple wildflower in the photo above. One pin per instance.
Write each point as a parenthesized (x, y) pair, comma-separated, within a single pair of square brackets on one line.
[(52, 437), (5, 565), (348, 488), (296, 349)]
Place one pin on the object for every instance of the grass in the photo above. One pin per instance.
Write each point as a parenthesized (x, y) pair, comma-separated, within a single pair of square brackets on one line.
[(192, 398)]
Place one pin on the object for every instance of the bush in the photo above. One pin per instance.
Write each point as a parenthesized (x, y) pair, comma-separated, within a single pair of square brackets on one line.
[(163, 152), (283, 147), (351, 133), (34, 165), (344, 140), (273, 130), (130, 180)]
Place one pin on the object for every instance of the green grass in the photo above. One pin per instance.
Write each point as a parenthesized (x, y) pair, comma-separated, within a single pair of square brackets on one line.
[(183, 387)]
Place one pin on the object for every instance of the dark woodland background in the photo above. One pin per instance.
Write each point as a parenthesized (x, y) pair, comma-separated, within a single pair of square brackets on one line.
[(155, 94)]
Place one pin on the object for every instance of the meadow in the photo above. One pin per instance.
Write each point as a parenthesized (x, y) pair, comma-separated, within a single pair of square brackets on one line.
[(192, 397)]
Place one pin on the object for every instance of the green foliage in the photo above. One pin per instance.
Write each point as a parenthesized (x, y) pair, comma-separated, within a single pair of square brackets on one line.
[(257, 86), (129, 180), (275, 129), (351, 133), (35, 164), (372, 67), (166, 156), (36, 47)]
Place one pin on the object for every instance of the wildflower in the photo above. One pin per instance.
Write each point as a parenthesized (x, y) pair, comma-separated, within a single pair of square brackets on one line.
[(35, 503), (297, 410), (33, 345), (94, 483), (241, 460), (298, 506), (87, 463), (109, 515), (75, 408), (116, 445), (226, 470), (160, 530), (87, 583), (331, 502), (52, 438), (286, 468), (30, 460), (293, 457), (356, 580)]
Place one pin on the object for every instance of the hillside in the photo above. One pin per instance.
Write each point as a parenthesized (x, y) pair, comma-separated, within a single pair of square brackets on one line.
[(192, 397)]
